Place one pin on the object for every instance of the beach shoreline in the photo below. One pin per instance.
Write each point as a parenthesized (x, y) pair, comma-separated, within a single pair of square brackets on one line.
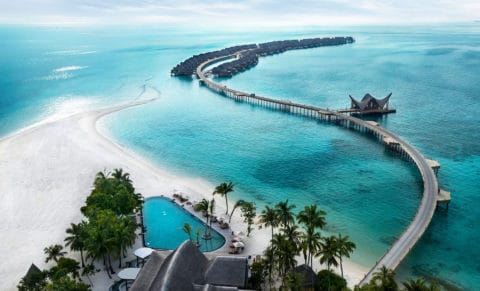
[(47, 171)]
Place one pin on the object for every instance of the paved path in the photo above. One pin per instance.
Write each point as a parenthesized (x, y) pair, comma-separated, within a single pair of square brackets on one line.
[(399, 250)]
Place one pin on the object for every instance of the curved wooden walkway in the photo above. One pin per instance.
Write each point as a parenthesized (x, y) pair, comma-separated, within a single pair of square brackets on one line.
[(407, 240)]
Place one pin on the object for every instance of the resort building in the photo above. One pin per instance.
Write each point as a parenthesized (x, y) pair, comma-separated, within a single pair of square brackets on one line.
[(370, 103), (187, 268)]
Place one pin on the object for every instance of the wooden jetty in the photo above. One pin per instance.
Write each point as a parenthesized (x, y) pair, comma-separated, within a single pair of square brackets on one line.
[(431, 193), (356, 112)]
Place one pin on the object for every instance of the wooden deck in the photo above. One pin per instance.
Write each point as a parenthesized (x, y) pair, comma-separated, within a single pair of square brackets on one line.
[(357, 112), (407, 240)]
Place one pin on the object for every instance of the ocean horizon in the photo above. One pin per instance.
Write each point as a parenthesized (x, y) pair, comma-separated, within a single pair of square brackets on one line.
[(432, 72)]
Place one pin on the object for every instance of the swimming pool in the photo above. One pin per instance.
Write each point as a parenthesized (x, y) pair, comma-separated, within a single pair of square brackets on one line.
[(164, 220)]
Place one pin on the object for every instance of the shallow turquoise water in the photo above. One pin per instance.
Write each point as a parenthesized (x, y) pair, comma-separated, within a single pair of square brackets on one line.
[(368, 193), (164, 220)]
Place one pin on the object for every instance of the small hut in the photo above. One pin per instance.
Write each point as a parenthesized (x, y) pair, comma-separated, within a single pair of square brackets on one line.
[(308, 275)]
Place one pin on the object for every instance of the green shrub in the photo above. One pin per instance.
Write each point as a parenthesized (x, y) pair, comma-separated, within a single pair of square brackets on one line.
[(337, 283), (197, 207)]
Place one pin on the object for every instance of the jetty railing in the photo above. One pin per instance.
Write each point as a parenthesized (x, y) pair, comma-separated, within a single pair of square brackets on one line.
[(407, 240)]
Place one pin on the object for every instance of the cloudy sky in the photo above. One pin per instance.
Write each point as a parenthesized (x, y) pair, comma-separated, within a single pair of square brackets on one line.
[(238, 12)]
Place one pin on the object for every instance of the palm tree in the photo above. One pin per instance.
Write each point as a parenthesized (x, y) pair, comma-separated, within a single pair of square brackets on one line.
[(311, 217), (433, 287), (284, 212), (188, 230), (223, 189), (65, 266), (237, 204), (386, 278), (304, 248), (76, 239), (328, 253), (269, 217), (98, 245), (204, 207), (124, 236), (269, 260), (207, 208), (293, 235), (54, 252), (197, 235), (89, 270), (124, 179), (284, 251), (312, 242), (415, 285), (249, 212), (100, 242), (101, 181), (211, 211), (345, 248)]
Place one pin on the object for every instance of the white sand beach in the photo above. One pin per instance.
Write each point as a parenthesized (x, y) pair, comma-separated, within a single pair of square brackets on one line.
[(46, 173)]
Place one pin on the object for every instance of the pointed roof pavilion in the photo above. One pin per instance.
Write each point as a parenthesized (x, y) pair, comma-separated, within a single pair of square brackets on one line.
[(369, 102), (186, 268)]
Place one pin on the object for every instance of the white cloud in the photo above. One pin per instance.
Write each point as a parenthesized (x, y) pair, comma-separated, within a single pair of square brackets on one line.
[(240, 12)]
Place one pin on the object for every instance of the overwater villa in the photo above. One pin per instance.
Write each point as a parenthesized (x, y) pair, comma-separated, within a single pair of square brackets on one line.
[(370, 105)]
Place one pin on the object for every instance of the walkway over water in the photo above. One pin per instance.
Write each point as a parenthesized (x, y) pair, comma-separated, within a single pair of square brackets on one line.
[(407, 240)]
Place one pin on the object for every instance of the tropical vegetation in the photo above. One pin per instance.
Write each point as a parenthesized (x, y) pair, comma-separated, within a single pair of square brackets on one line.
[(109, 225), (384, 280), (223, 189), (208, 209), (64, 275), (249, 214), (293, 235), (296, 234), (105, 233)]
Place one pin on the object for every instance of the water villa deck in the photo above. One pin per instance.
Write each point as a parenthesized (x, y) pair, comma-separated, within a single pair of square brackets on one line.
[(248, 55), (432, 195)]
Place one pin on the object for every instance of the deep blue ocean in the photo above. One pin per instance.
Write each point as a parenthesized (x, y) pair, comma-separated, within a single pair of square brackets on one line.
[(368, 193)]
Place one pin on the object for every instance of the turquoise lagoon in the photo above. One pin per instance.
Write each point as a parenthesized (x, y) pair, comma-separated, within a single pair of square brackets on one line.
[(368, 192), (164, 220)]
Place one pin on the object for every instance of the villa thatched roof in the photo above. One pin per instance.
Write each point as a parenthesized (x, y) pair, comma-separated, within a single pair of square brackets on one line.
[(369, 102), (33, 270), (189, 269), (148, 275), (208, 287), (309, 276), (227, 271)]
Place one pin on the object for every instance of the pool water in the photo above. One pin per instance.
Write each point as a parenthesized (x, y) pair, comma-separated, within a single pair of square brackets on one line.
[(164, 220)]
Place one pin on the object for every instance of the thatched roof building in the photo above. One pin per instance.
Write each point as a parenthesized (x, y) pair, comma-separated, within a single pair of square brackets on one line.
[(188, 269), (369, 102), (308, 275)]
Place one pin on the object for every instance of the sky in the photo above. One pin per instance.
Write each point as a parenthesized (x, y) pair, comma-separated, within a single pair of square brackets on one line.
[(237, 12)]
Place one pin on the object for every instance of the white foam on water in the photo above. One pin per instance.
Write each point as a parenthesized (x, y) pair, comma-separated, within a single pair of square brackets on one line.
[(69, 68), (71, 52), (56, 76)]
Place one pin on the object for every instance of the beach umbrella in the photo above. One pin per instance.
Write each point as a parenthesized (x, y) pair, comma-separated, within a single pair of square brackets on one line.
[(223, 217), (142, 253), (237, 238), (238, 244), (239, 233)]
